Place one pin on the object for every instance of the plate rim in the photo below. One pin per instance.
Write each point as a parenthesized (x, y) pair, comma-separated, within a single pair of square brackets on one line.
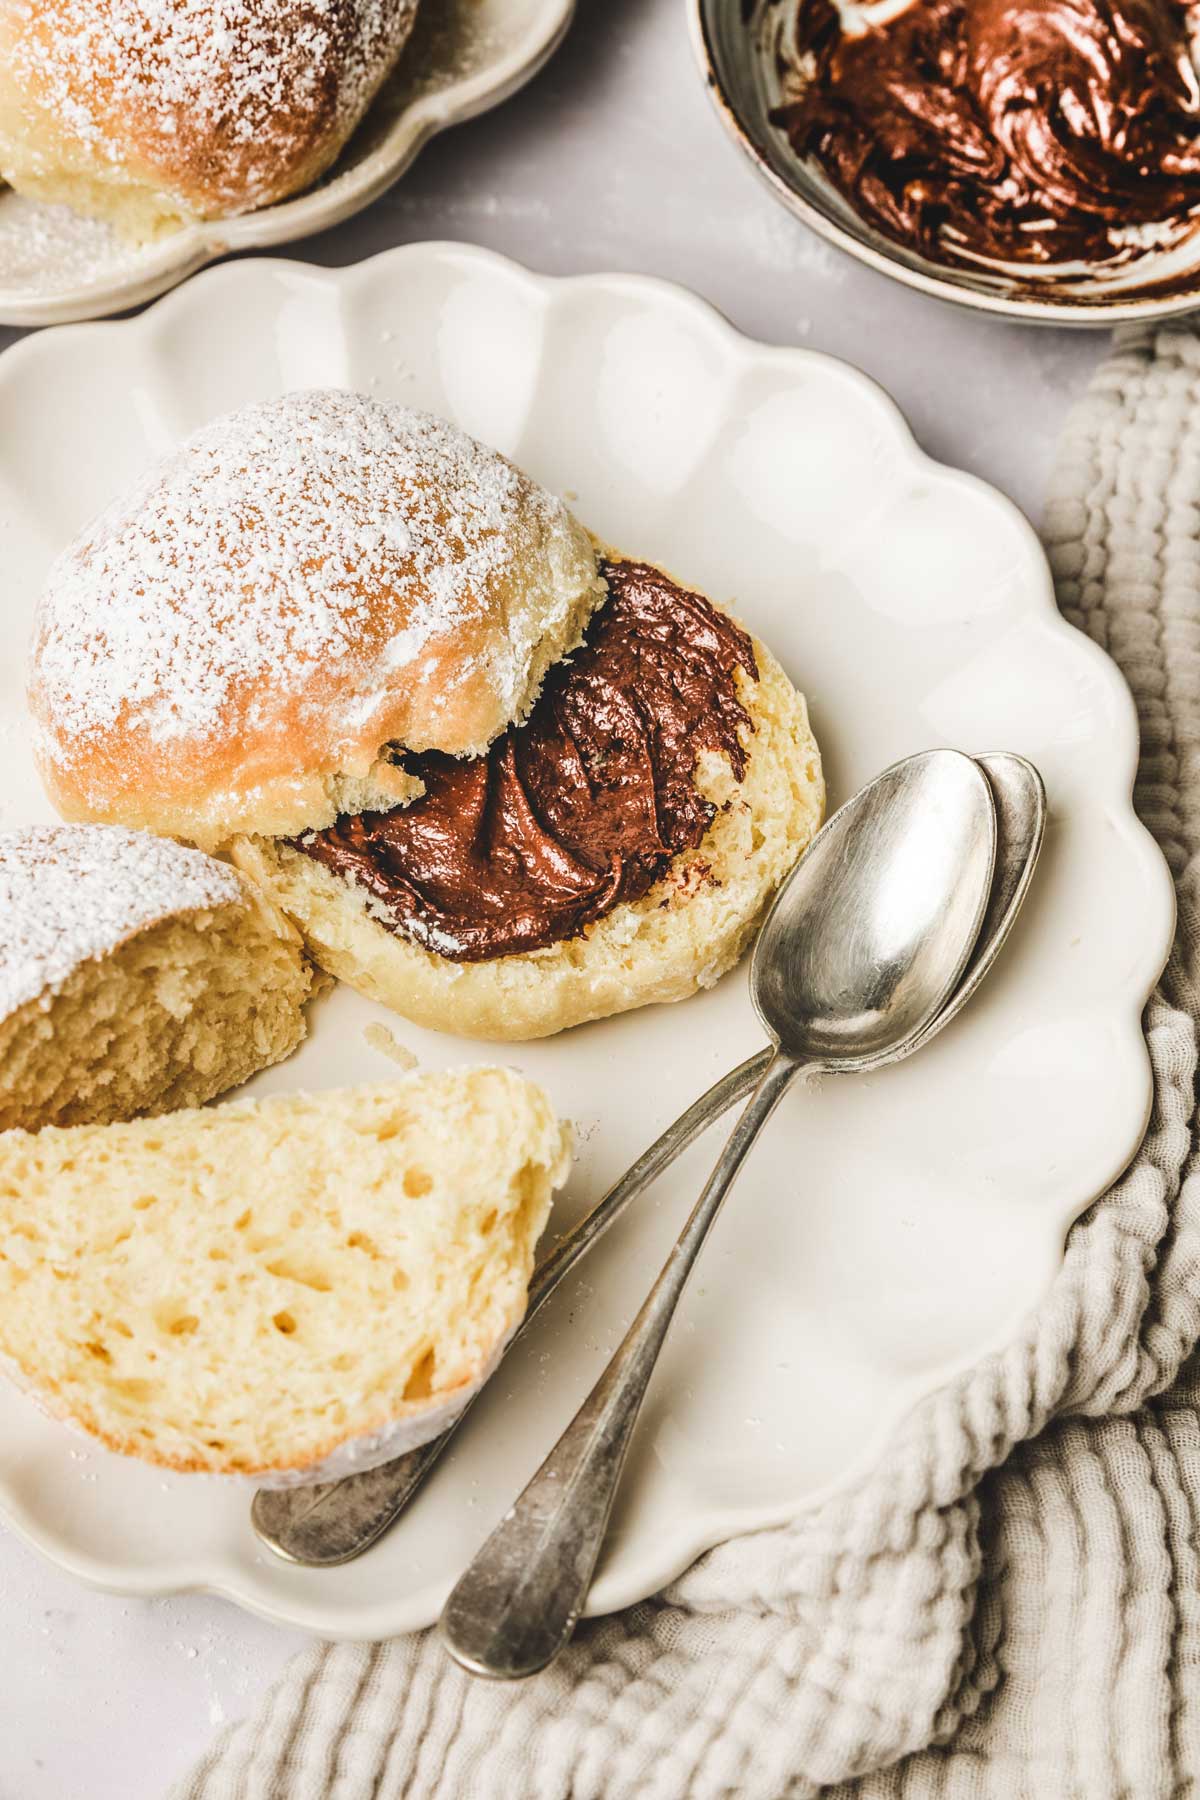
[(186, 252), (633, 1580)]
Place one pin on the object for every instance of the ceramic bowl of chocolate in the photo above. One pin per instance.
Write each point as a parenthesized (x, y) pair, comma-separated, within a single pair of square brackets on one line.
[(1034, 158)]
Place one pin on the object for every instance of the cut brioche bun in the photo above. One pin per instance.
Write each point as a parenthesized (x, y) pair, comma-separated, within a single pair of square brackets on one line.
[(152, 117), (135, 976), (289, 1289), (243, 650), (682, 935), (307, 587)]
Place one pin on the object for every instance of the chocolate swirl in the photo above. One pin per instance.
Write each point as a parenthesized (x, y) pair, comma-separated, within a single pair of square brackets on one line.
[(577, 810), (989, 129)]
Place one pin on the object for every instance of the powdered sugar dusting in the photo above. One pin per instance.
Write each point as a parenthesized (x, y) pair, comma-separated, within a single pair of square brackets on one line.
[(222, 99), (44, 248), (69, 893), (47, 252), (249, 567)]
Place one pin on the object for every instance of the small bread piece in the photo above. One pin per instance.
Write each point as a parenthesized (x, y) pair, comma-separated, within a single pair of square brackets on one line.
[(308, 586), (287, 1289), (153, 116), (135, 976), (684, 934)]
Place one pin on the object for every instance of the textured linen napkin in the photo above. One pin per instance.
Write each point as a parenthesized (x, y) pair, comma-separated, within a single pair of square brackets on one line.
[(1010, 1605)]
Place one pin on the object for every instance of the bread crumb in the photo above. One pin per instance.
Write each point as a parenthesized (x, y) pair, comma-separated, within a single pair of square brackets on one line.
[(458, 1165), (380, 1038)]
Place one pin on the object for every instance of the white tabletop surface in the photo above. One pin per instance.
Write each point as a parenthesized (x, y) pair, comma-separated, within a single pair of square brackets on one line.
[(613, 159)]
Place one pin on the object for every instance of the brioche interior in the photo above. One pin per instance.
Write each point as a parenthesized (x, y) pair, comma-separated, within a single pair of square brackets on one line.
[(44, 162), (181, 1011), (244, 1289)]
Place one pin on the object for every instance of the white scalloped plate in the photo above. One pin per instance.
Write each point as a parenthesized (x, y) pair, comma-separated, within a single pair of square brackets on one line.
[(889, 1230), (464, 57)]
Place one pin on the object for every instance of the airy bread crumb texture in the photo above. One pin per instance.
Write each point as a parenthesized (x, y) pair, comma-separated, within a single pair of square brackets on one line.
[(284, 1288), (175, 1016), (684, 934), (136, 975)]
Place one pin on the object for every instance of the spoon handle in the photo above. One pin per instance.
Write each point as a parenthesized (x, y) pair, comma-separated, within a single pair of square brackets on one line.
[(332, 1522), (518, 1602)]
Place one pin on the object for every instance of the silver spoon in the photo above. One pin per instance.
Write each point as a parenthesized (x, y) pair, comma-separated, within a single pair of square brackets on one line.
[(862, 949), (330, 1523)]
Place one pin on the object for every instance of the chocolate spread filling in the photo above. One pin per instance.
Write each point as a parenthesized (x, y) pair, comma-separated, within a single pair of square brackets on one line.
[(1027, 133), (578, 809)]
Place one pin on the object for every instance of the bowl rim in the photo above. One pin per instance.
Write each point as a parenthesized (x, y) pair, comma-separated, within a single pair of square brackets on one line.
[(1097, 316)]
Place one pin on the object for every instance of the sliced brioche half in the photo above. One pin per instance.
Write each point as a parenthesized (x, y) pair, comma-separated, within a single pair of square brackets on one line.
[(683, 935), (135, 976), (288, 1289)]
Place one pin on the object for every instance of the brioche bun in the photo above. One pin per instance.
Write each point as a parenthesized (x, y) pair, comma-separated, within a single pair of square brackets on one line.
[(152, 117), (287, 1289), (306, 587)]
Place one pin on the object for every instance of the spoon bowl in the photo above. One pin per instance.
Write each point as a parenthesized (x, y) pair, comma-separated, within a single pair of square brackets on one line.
[(1019, 796), (869, 935)]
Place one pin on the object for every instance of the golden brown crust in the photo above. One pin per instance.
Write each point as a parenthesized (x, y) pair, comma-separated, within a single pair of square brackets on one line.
[(186, 110), (234, 646), (415, 1420)]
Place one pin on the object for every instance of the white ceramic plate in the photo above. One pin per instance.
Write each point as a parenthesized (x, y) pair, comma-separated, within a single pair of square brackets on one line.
[(889, 1229), (464, 57)]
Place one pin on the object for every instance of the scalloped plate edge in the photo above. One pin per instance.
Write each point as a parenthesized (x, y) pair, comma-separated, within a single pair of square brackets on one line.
[(637, 1576)]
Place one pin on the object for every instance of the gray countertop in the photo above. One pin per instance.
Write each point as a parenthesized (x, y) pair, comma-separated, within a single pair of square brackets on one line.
[(612, 159)]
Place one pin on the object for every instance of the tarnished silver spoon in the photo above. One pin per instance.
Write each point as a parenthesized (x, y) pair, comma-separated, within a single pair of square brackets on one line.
[(325, 1525), (863, 948)]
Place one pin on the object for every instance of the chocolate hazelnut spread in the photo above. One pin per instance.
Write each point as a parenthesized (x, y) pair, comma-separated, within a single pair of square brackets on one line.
[(1034, 133), (578, 809)]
